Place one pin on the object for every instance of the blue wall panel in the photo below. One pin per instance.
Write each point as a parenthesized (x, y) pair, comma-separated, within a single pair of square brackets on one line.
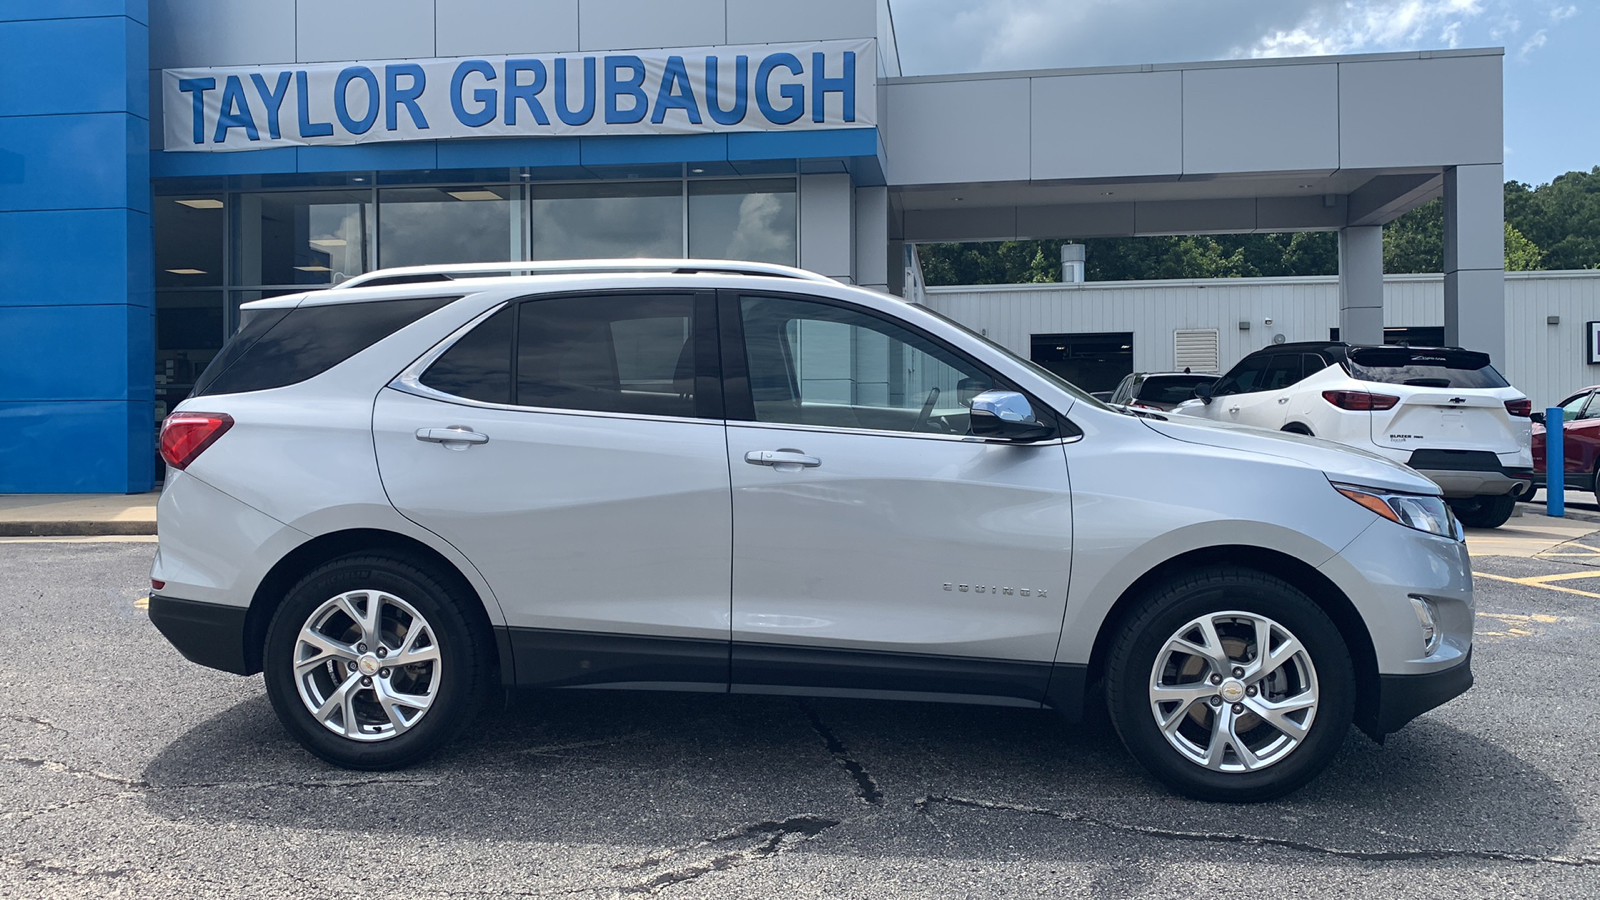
[(76, 447), (626, 150), (95, 82), (39, 266), (369, 157), (245, 162), (23, 10), (75, 162), (803, 144), (509, 152), (76, 279), (73, 353)]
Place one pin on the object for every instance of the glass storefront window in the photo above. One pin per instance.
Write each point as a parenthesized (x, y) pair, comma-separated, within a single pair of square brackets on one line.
[(190, 329), (420, 226), (301, 237), (752, 219), (189, 232), (606, 221)]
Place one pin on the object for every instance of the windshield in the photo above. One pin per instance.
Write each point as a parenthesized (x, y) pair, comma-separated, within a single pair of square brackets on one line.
[(1078, 393), (1425, 367), (1172, 388)]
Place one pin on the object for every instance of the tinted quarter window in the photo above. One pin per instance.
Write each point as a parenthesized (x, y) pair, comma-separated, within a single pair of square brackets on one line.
[(1425, 367), (273, 350), (478, 366), (608, 353)]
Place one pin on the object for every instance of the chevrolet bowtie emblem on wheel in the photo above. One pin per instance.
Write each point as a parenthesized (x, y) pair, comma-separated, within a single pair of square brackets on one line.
[(990, 589)]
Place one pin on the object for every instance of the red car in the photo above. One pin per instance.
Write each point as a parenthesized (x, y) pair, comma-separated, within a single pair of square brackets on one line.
[(1580, 441)]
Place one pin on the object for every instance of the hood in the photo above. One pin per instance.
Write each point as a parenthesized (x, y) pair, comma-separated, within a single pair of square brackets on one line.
[(1339, 462)]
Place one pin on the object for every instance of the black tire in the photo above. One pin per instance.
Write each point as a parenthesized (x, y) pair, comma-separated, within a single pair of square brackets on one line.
[(1484, 511), (1162, 616), (455, 682)]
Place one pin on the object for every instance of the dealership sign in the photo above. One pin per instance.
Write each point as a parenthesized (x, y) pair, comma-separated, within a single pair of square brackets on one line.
[(761, 87)]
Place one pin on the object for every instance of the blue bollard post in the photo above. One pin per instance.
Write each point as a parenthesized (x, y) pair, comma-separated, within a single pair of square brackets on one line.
[(1555, 481)]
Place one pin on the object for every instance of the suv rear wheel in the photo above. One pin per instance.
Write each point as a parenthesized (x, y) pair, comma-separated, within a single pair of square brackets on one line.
[(1229, 684), (1484, 511), (371, 664)]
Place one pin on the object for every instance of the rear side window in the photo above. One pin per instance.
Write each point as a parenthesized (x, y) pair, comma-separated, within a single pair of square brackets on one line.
[(1425, 367), (1174, 389), (278, 347), (477, 367)]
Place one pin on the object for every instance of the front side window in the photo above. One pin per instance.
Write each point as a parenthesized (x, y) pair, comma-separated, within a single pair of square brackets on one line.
[(610, 353), (1572, 408), (817, 364), (1244, 378)]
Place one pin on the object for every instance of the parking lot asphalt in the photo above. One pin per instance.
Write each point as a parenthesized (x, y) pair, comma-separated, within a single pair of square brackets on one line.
[(126, 769)]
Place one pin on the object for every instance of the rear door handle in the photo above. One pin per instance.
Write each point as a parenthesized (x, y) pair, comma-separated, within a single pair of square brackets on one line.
[(455, 434), (781, 457)]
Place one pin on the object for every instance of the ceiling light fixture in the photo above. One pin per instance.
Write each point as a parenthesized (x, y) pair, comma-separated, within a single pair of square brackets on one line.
[(201, 204), (187, 271), (697, 171), (475, 195), (358, 180), (314, 268), (329, 242)]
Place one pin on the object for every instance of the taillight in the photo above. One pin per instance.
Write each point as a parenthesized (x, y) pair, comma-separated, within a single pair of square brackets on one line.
[(186, 435), (1520, 408), (1361, 401)]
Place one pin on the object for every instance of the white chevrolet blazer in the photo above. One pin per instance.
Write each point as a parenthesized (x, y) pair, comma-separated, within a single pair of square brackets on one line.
[(393, 497)]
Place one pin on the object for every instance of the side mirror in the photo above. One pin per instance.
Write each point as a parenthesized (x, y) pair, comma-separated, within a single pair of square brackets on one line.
[(1537, 417), (1006, 415), (1203, 392)]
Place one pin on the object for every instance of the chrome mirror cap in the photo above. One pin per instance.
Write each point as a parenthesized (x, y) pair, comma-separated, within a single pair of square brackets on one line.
[(1007, 406)]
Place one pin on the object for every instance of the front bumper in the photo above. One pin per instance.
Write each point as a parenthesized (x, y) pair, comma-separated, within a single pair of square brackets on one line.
[(1402, 698), (210, 634)]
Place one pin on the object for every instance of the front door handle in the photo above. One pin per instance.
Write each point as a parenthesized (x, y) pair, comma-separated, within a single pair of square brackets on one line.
[(781, 458), (455, 434), (1233, 409), (1283, 399)]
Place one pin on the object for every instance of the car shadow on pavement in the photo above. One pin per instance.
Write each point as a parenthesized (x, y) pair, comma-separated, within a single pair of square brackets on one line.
[(635, 770)]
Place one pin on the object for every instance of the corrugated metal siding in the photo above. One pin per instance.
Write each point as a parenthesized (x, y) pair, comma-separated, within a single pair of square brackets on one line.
[(1545, 361)]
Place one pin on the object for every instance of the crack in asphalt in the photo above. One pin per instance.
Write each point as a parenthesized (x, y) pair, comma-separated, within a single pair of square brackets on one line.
[(867, 789), (39, 865), (139, 785), (923, 805), (36, 722), (26, 814), (776, 837)]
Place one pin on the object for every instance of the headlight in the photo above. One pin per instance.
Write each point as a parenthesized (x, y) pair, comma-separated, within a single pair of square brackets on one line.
[(1420, 511)]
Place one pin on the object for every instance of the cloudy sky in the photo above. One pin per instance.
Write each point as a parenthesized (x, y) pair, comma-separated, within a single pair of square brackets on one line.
[(1552, 65)]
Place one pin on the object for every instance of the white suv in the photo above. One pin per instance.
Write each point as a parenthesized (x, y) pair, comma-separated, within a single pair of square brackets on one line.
[(396, 496), (1443, 411)]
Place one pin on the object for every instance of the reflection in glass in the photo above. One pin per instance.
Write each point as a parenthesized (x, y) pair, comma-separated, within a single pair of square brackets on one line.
[(301, 237), (421, 226), (606, 221), (189, 331), (188, 232), (751, 219)]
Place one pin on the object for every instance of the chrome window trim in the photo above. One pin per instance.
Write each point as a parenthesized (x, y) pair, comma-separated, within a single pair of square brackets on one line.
[(913, 435)]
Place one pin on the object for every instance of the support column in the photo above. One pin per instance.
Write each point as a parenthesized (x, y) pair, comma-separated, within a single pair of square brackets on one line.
[(827, 221), (872, 238), (1361, 284), (77, 385), (1474, 259)]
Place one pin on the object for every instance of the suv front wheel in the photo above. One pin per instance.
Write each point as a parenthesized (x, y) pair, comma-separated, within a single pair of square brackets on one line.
[(1229, 684), (371, 664)]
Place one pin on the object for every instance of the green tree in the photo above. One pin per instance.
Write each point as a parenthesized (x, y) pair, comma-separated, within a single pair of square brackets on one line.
[(1522, 255)]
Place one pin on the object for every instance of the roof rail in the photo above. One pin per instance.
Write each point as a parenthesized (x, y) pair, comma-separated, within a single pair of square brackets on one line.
[(423, 274)]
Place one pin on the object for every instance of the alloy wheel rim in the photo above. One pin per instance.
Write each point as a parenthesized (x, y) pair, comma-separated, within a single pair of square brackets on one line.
[(367, 665), (1233, 691)]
